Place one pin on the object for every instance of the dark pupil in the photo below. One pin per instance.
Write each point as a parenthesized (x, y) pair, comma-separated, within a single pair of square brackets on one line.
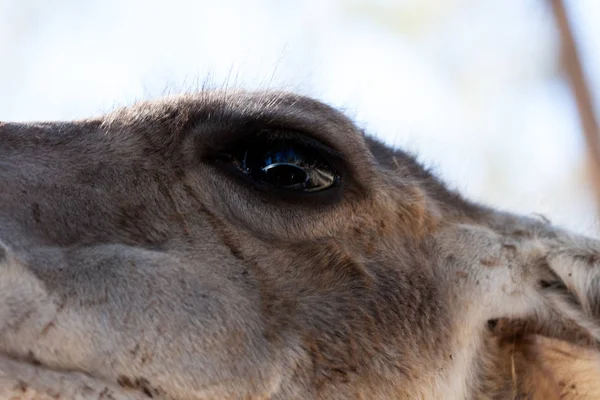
[(283, 174), (288, 165)]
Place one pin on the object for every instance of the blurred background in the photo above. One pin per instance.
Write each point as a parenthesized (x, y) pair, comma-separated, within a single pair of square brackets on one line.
[(489, 94)]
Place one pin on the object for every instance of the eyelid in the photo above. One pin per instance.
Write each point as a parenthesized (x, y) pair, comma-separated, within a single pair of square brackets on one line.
[(228, 151), (302, 139)]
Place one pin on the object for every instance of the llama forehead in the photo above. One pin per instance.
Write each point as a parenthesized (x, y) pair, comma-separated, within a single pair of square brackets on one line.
[(230, 108)]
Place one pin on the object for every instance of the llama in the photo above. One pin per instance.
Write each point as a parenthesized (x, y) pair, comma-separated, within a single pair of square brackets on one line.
[(258, 245)]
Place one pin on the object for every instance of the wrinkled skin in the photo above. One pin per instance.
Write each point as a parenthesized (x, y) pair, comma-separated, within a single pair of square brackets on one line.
[(136, 264)]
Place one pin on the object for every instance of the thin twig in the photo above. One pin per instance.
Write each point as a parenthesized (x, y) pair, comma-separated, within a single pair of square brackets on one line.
[(572, 65)]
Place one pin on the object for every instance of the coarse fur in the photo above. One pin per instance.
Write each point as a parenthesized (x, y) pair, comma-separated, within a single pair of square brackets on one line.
[(133, 264)]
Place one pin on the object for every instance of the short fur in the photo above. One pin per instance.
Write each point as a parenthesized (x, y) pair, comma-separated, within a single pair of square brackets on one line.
[(133, 266)]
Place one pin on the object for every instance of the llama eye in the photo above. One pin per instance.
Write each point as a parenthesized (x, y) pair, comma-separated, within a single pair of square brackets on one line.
[(286, 164)]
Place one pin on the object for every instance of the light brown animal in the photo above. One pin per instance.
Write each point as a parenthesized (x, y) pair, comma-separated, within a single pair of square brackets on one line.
[(232, 245)]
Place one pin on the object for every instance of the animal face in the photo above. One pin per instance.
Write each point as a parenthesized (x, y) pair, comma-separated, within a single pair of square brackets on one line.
[(232, 245)]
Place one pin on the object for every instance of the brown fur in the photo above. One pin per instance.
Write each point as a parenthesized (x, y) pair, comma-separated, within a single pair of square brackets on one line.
[(133, 266)]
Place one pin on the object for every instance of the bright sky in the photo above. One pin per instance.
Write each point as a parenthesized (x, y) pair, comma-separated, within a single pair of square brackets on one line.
[(469, 85)]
